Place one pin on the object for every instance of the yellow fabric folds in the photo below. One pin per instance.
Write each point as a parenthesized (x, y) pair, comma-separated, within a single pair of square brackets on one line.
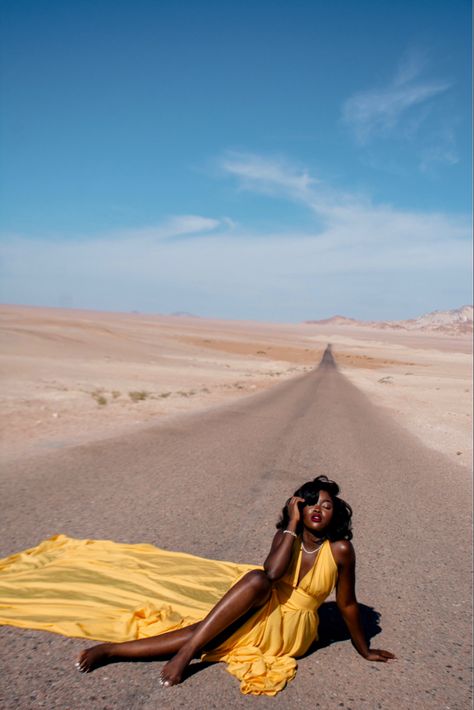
[(108, 591), (102, 590)]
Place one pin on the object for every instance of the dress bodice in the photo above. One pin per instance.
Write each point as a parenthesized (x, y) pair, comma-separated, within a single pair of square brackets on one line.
[(317, 583)]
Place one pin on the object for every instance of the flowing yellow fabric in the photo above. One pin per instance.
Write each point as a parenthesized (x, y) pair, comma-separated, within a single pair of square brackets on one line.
[(109, 591)]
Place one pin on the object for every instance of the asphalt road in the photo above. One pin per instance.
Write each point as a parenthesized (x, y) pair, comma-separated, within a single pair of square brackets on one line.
[(213, 484)]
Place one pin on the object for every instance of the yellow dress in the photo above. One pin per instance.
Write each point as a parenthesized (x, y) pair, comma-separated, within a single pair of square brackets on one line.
[(109, 591)]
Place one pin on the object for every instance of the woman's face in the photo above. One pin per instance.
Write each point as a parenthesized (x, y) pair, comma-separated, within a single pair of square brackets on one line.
[(317, 516)]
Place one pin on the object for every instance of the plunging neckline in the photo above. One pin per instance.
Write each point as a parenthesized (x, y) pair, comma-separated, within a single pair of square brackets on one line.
[(300, 558)]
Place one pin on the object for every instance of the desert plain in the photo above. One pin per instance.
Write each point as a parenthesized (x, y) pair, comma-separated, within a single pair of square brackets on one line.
[(71, 376), (190, 434)]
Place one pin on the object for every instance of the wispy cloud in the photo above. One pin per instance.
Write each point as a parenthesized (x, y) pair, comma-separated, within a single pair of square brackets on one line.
[(378, 111), (410, 66), (278, 177), (440, 150), (188, 224), (260, 173), (348, 219), (361, 258), (176, 226)]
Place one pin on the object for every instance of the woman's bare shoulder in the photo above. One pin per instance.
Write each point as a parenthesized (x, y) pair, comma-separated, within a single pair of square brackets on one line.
[(343, 551)]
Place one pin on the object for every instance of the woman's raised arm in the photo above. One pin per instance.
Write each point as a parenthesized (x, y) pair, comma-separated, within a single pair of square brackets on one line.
[(279, 556)]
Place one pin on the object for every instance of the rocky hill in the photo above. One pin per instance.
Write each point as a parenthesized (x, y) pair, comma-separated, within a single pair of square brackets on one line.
[(457, 321)]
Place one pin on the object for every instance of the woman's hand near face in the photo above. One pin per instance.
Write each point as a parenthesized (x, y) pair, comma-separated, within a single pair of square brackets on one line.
[(294, 513), (279, 556)]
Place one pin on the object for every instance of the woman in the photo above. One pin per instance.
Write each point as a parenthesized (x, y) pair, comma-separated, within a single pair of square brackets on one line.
[(276, 606)]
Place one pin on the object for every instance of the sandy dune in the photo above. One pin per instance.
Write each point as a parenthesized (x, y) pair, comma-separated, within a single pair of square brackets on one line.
[(72, 376)]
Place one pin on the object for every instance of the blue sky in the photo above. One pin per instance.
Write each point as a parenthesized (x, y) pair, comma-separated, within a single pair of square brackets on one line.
[(265, 160)]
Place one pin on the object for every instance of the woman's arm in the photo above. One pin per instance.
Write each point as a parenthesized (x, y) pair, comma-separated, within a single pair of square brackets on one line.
[(279, 556), (347, 602)]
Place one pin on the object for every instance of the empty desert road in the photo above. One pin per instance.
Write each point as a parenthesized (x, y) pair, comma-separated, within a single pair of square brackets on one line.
[(213, 484)]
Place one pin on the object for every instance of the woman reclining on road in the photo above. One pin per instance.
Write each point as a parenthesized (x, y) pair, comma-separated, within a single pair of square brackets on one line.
[(268, 616)]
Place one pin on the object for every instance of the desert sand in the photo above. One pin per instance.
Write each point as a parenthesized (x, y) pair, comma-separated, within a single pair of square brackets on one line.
[(71, 376)]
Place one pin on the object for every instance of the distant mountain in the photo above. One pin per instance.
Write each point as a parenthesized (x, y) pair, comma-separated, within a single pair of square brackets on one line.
[(184, 314), (457, 321), (335, 320), (460, 318)]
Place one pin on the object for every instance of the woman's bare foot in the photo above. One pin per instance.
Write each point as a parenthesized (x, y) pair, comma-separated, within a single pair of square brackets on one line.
[(172, 672), (94, 657)]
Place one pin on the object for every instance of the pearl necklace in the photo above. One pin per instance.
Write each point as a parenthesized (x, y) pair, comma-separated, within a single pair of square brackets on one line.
[(311, 552)]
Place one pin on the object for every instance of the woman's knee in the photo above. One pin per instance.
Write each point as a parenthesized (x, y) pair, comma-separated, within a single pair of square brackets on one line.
[(259, 581)]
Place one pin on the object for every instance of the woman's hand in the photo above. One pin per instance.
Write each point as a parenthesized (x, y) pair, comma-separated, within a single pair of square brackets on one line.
[(376, 654), (294, 512)]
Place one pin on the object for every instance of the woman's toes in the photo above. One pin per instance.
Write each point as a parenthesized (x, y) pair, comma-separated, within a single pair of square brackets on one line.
[(92, 658), (82, 664), (167, 679), (164, 681)]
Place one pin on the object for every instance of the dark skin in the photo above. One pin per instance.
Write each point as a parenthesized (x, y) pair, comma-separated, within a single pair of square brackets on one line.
[(251, 592)]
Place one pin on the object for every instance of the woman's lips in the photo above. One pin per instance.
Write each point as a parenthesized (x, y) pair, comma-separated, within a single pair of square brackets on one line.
[(316, 518)]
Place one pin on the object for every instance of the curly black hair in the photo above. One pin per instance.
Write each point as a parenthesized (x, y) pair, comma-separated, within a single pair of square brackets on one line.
[(340, 527)]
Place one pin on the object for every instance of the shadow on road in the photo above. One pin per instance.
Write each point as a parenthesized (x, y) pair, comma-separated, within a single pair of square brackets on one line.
[(332, 628)]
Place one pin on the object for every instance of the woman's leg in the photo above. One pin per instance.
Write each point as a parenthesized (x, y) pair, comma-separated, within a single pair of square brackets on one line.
[(251, 591), (165, 644)]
